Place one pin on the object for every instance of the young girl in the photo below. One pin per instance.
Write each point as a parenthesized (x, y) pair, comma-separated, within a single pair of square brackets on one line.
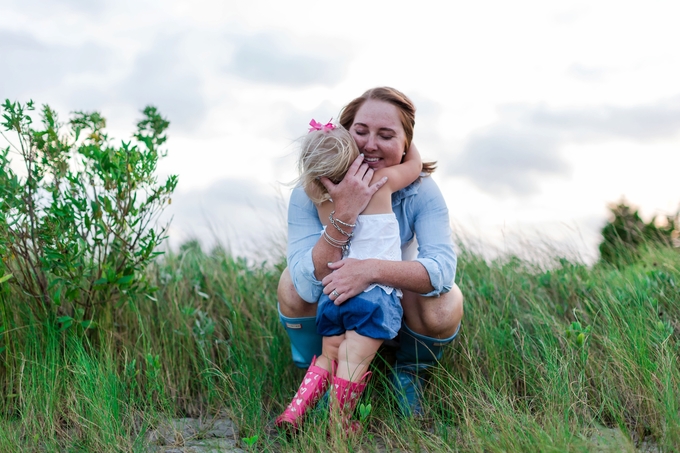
[(354, 330)]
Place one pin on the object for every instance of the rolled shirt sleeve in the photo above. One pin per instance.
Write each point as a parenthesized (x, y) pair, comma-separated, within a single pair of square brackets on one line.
[(425, 212), (304, 230)]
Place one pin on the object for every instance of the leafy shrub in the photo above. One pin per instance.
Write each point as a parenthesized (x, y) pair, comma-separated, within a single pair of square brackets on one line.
[(623, 235), (77, 226)]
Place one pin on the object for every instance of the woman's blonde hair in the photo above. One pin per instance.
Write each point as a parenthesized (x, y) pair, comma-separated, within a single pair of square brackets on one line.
[(326, 153)]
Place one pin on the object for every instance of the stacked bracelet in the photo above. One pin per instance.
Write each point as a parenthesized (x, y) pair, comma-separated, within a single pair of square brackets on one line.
[(337, 227), (344, 245)]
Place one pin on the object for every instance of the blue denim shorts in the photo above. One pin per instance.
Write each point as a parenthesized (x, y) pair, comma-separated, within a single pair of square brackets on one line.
[(373, 314)]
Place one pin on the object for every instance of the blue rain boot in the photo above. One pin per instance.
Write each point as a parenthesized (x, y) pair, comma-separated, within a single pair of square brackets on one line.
[(305, 343), (415, 355)]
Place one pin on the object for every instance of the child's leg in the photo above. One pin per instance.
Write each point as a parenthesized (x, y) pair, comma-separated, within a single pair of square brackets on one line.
[(354, 354), (329, 351)]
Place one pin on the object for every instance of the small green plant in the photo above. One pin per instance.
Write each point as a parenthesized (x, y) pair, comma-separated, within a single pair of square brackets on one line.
[(577, 333), (364, 411), (77, 221), (130, 375), (250, 441), (154, 385)]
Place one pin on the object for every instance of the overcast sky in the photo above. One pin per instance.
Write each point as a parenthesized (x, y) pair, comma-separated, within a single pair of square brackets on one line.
[(539, 113)]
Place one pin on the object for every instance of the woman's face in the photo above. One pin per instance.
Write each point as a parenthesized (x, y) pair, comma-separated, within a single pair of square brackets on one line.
[(379, 134)]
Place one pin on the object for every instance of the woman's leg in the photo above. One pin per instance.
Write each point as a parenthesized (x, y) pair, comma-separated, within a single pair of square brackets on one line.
[(291, 304), (436, 317), (429, 325), (299, 320)]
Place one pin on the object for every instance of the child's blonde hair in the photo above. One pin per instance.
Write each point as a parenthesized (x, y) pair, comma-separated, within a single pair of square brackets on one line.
[(326, 153)]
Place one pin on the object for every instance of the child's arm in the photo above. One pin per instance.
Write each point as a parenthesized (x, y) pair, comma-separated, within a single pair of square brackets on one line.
[(403, 174)]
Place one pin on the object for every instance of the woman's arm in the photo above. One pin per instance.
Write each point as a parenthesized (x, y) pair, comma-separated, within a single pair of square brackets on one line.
[(432, 226), (433, 271), (308, 253), (303, 234), (350, 197), (352, 276)]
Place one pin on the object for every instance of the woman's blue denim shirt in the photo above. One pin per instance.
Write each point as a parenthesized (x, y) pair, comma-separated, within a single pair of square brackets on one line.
[(420, 210)]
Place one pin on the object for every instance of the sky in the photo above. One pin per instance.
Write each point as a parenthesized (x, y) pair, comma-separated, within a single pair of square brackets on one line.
[(540, 114)]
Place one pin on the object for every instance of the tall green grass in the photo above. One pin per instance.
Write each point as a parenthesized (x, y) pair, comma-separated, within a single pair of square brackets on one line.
[(548, 358)]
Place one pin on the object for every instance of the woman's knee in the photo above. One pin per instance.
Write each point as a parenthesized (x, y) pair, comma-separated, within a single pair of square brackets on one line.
[(290, 303), (437, 317)]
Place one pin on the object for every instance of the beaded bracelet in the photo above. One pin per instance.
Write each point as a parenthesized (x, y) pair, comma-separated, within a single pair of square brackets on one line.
[(350, 225), (343, 232)]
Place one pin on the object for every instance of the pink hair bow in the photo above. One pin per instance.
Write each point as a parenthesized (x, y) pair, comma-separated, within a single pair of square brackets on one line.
[(316, 126)]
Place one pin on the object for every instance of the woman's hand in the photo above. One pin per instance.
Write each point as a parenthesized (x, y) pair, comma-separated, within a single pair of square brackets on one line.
[(348, 278), (352, 194)]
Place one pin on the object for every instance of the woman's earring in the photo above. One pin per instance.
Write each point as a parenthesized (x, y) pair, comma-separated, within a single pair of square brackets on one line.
[(404, 153)]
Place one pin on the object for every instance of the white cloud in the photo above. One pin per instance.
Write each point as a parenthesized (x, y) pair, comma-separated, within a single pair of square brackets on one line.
[(242, 215), (502, 160), (525, 144), (42, 7), (276, 58), (161, 76), (30, 66), (642, 122)]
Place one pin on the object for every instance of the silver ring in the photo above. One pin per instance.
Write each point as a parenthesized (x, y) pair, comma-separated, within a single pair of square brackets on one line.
[(335, 293)]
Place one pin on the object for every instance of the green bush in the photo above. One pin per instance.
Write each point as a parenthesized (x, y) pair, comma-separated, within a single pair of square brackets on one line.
[(626, 233), (77, 225)]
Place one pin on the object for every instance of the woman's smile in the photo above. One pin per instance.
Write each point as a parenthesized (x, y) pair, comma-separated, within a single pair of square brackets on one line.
[(371, 160)]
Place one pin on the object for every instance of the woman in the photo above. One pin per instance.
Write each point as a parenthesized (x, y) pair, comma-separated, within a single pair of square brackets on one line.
[(381, 122)]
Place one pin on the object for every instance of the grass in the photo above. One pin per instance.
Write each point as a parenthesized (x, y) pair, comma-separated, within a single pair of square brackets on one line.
[(549, 357)]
